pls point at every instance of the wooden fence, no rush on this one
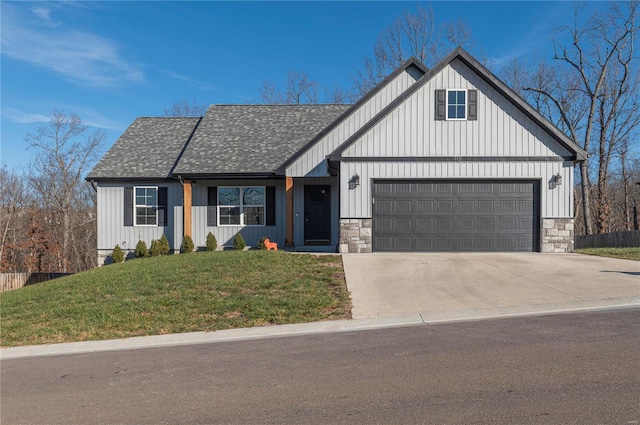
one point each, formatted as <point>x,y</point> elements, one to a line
<point>10,281</point>
<point>628,239</point>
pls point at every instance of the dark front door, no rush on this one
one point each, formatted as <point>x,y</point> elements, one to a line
<point>317,215</point>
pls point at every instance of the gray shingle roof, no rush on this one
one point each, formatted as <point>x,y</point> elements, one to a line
<point>252,138</point>
<point>149,148</point>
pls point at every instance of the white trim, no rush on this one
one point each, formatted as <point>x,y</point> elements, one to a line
<point>466,105</point>
<point>135,205</point>
<point>242,207</point>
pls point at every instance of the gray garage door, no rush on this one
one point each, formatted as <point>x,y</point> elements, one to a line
<point>455,216</point>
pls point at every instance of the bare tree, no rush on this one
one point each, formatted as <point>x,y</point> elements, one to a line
<point>13,200</point>
<point>65,149</point>
<point>299,89</point>
<point>185,109</point>
<point>591,92</point>
<point>412,34</point>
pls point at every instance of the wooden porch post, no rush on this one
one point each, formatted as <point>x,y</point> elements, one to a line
<point>289,212</point>
<point>187,203</point>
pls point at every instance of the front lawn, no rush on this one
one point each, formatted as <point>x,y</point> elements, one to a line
<point>202,291</point>
<point>626,253</point>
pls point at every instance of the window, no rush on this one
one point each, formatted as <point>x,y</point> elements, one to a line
<point>146,206</point>
<point>241,206</point>
<point>456,104</point>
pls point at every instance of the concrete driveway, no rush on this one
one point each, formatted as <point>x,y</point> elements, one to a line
<point>401,284</point>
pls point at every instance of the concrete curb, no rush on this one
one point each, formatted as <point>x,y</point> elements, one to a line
<point>245,334</point>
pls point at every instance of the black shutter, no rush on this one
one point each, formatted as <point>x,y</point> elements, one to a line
<point>128,206</point>
<point>162,206</point>
<point>472,108</point>
<point>212,206</point>
<point>441,105</point>
<point>271,206</point>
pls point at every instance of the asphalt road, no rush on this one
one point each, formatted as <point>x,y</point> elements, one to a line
<point>565,369</point>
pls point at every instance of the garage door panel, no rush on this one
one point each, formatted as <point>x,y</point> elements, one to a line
<point>454,216</point>
<point>424,243</point>
<point>403,243</point>
<point>425,224</point>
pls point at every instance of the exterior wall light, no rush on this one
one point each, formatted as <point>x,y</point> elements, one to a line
<point>557,179</point>
<point>354,182</point>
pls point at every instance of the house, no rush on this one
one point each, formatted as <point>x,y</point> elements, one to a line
<point>442,159</point>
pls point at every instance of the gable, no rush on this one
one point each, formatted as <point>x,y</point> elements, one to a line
<point>311,161</point>
<point>412,130</point>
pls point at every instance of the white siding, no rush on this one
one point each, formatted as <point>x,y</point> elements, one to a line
<point>556,202</point>
<point>311,163</point>
<point>225,234</point>
<point>411,129</point>
<point>111,228</point>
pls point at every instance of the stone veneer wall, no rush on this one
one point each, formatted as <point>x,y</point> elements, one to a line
<point>557,235</point>
<point>355,235</point>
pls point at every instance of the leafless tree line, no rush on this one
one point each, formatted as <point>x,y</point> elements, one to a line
<point>48,213</point>
<point>591,90</point>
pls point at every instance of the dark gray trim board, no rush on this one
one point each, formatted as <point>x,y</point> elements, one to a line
<point>411,62</point>
<point>455,159</point>
<point>133,180</point>
<point>212,176</point>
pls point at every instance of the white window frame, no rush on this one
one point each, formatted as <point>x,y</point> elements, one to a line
<point>466,105</point>
<point>136,206</point>
<point>242,207</point>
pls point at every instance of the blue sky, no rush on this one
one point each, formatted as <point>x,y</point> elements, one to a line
<point>110,62</point>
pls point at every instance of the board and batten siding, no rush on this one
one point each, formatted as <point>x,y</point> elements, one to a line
<point>111,228</point>
<point>411,129</point>
<point>555,202</point>
<point>312,162</point>
<point>225,234</point>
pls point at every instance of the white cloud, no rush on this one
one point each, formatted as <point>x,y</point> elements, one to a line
<point>42,12</point>
<point>89,118</point>
<point>79,56</point>
<point>23,117</point>
<point>200,84</point>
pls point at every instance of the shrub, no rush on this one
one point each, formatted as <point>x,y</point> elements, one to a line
<point>212,243</point>
<point>187,245</point>
<point>117,255</point>
<point>141,250</point>
<point>261,244</point>
<point>164,244</point>
<point>238,242</point>
<point>156,248</point>
<point>160,247</point>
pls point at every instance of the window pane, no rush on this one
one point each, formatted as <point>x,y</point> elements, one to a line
<point>229,215</point>
<point>452,112</point>
<point>451,97</point>
<point>254,216</point>
<point>145,216</point>
<point>460,112</point>
<point>152,198</point>
<point>229,196</point>
<point>253,196</point>
<point>461,96</point>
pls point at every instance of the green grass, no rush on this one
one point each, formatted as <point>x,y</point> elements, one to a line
<point>626,253</point>
<point>202,291</point>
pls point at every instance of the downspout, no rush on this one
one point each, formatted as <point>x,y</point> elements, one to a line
<point>93,185</point>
